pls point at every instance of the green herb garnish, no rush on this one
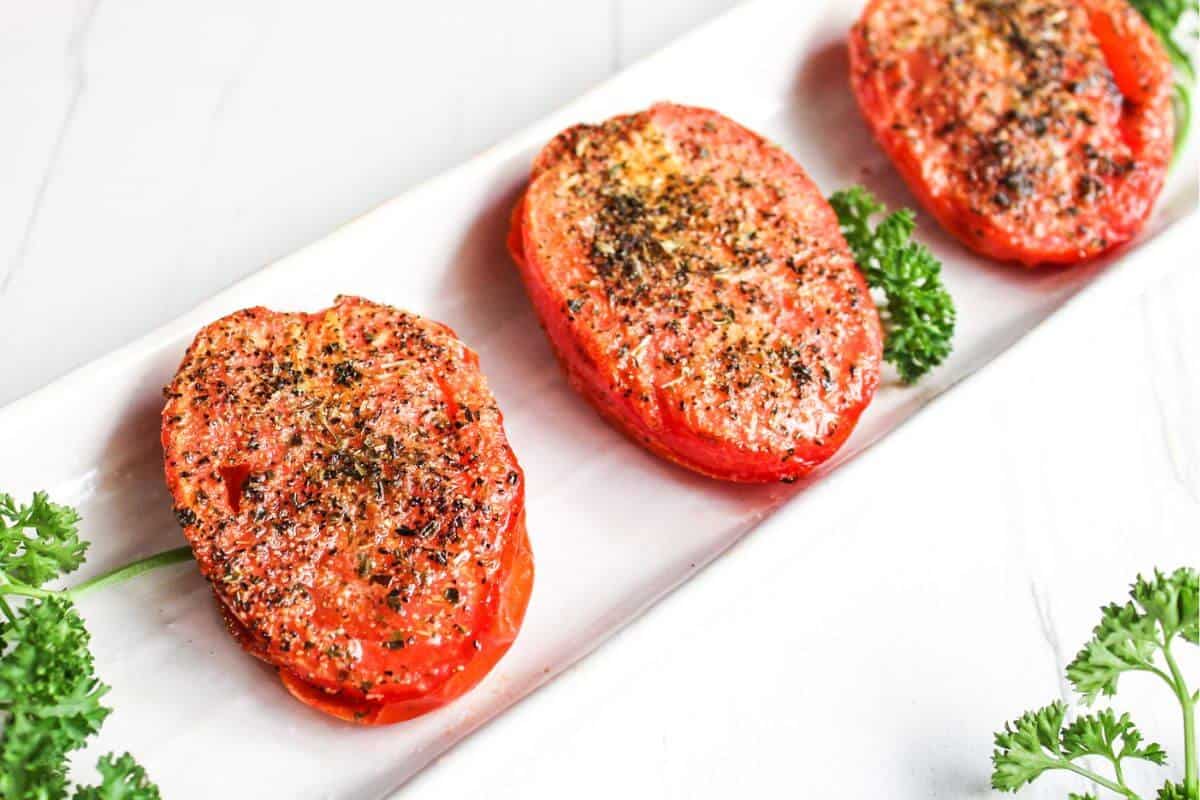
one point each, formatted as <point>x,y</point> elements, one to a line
<point>1163,17</point>
<point>917,312</point>
<point>1136,637</point>
<point>49,693</point>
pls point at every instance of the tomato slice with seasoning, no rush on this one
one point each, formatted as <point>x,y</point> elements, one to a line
<point>347,488</point>
<point>698,292</point>
<point>1037,131</point>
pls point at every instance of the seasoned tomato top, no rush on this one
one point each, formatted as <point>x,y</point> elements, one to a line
<point>702,278</point>
<point>1035,130</point>
<point>345,483</point>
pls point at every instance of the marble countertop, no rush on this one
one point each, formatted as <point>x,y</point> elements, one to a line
<point>155,152</point>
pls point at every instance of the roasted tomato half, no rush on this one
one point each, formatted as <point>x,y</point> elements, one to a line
<point>698,292</point>
<point>345,482</point>
<point>1036,131</point>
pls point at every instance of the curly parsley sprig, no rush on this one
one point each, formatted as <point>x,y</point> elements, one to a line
<point>1138,636</point>
<point>917,313</point>
<point>1164,17</point>
<point>50,696</point>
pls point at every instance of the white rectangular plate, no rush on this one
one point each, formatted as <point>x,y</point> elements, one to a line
<point>613,528</point>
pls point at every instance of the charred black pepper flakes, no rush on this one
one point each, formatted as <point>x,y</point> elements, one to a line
<point>1020,112</point>
<point>346,374</point>
<point>337,482</point>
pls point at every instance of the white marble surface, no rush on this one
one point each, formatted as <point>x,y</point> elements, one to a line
<point>154,152</point>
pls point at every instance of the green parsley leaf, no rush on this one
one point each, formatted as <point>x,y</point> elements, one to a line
<point>1163,610</point>
<point>1038,741</point>
<point>1124,641</point>
<point>48,687</point>
<point>49,693</point>
<point>1100,734</point>
<point>121,779</point>
<point>1027,747</point>
<point>917,313</point>
<point>39,541</point>
<point>1172,791</point>
<point>45,658</point>
<point>1130,636</point>
<point>1172,601</point>
<point>33,763</point>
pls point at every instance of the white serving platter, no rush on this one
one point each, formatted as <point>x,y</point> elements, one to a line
<point>613,528</point>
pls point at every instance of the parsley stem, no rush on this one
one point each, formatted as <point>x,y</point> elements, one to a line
<point>1153,670</point>
<point>1119,788</point>
<point>1191,780</point>
<point>7,609</point>
<point>1120,773</point>
<point>21,590</point>
<point>113,576</point>
<point>132,570</point>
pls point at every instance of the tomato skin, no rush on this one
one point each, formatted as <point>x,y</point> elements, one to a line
<point>347,488</point>
<point>1037,131</point>
<point>732,397</point>
<point>352,706</point>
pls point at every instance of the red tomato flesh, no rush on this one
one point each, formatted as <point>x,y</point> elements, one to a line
<point>698,292</point>
<point>345,483</point>
<point>1036,131</point>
